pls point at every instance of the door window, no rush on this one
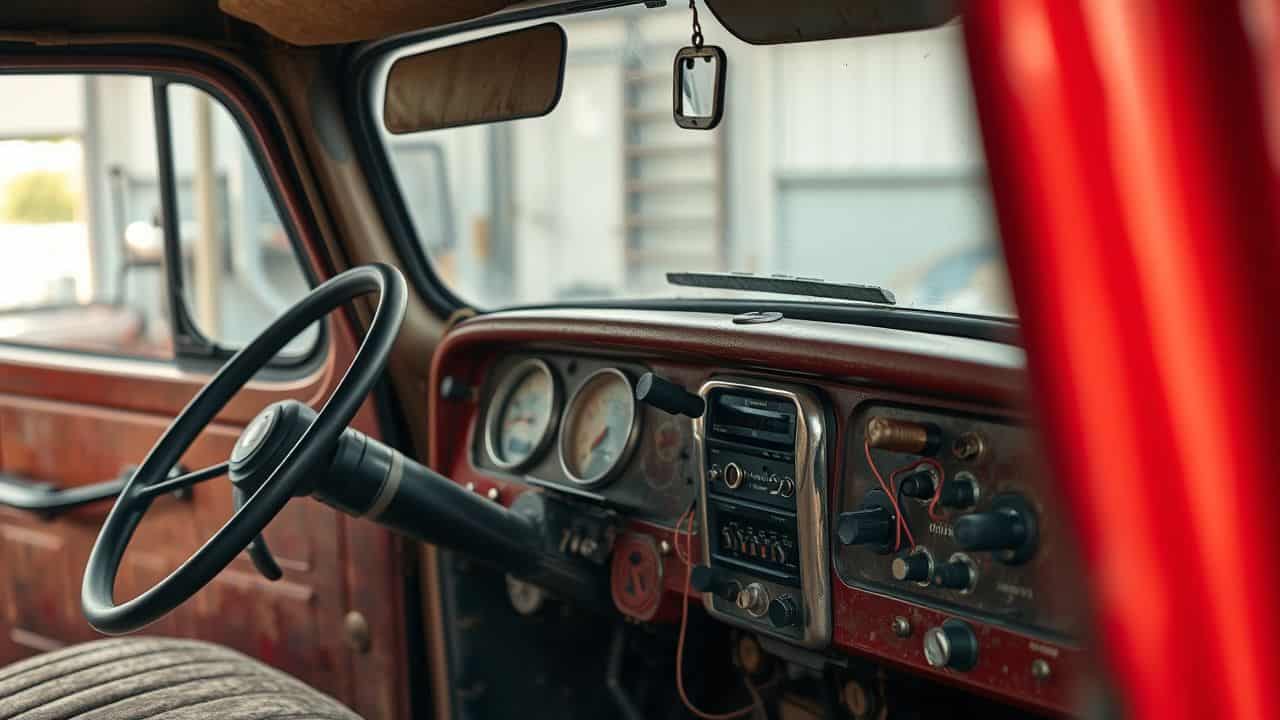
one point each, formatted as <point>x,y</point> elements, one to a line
<point>83,222</point>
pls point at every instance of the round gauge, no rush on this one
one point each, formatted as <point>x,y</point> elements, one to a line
<point>522,415</point>
<point>600,428</point>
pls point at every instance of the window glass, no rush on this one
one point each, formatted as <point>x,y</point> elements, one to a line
<point>851,160</point>
<point>241,269</point>
<point>80,220</point>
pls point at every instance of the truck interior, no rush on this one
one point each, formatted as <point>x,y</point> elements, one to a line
<point>717,359</point>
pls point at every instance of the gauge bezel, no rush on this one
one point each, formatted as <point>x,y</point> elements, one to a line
<point>498,401</point>
<point>633,432</point>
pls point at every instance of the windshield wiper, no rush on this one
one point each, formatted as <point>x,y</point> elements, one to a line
<point>783,285</point>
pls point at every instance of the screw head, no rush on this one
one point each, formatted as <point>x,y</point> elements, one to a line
<point>901,627</point>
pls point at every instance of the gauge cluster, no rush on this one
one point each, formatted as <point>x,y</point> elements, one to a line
<point>574,423</point>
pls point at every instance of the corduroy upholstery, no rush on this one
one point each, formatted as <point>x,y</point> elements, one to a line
<point>156,679</point>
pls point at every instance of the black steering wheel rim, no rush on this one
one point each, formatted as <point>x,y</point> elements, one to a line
<point>97,591</point>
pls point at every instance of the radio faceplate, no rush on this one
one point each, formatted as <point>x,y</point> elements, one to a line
<point>763,498</point>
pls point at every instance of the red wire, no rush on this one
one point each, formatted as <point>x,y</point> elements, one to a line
<point>937,490</point>
<point>687,556</point>
<point>893,500</point>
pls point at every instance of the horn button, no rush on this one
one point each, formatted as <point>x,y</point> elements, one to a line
<point>266,440</point>
<point>254,436</point>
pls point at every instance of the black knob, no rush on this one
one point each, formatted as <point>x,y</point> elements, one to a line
<point>961,493</point>
<point>784,612</point>
<point>914,567</point>
<point>919,484</point>
<point>955,575</point>
<point>1009,529</point>
<point>951,645</point>
<point>706,579</point>
<point>868,525</point>
<point>998,530</point>
<point>668,396</point>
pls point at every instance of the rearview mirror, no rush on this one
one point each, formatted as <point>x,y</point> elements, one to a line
<point>699,87</point>
<point>504,77</point>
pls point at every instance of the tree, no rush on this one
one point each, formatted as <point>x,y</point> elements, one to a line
<point>39,196</point>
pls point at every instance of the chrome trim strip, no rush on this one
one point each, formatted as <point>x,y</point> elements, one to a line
<point>812,531</point>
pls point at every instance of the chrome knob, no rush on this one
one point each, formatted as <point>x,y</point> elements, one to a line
<point>732,476</point>
<point>754,599</point>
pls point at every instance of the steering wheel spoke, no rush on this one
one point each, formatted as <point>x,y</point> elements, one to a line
<point>257,550</point>
<point>181,482</point>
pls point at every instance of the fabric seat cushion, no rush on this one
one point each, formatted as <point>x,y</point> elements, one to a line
<point>156,679</point>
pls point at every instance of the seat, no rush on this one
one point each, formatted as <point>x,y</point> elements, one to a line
<point>157,679</point>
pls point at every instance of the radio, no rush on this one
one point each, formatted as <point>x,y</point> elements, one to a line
<point>763,500</point>
<point>750,447</point>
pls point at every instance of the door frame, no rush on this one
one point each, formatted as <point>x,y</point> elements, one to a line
<point>147,391</point>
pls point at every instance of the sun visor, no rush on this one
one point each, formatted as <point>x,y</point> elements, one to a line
<point>769,22</point>
<point>316,22</point>
<point>510,76</point>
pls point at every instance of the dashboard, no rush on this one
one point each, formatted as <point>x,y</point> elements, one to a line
<point>846,491</point>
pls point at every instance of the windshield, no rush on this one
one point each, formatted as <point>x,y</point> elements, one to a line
<point>853,161</point>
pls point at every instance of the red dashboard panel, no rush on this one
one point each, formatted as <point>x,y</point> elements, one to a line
<point>849,367</point>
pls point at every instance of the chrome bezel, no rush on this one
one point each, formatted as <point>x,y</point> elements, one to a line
<point>633,431</point>
<point>498,401</point>
<point>811,512</point>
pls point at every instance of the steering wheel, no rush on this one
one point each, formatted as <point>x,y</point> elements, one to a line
<point>278,481</point>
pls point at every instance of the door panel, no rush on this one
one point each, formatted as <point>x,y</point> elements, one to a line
<point>294,624</point>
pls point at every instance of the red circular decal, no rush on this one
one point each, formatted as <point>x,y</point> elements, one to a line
<point>636,576</point>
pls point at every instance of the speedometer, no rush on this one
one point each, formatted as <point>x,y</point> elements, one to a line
<point>600,427</point>
<point>522,415</point>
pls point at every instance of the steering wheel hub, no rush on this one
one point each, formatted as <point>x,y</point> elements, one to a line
<point>254,436</point>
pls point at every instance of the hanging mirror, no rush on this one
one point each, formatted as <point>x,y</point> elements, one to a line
<point>699,74</point>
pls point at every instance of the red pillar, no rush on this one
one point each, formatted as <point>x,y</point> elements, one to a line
<point>1133,147</point>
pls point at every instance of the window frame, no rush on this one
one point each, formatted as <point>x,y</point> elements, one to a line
<point>193,350</point>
